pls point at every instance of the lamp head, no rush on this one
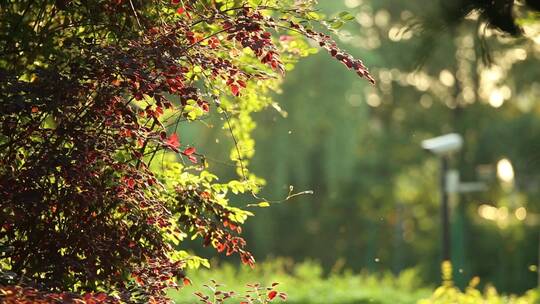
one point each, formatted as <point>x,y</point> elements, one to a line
<point>443,145</point>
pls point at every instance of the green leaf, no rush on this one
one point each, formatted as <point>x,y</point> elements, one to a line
<point>263,204</point>
<point>336,25</point>
<point>346,16</point>
<point>314,16</point>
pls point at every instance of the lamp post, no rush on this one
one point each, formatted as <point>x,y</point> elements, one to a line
<point>443,147</point>
<point>445,211</point>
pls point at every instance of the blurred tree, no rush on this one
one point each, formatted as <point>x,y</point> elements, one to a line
<point>97,190</point>
<point>375,201</point>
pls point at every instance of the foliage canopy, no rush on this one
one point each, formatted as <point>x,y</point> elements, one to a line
<point>98,189</point>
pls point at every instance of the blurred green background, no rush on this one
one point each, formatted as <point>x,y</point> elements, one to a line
<point>375,206</point>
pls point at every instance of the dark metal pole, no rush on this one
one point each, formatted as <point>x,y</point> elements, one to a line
<point>445,213</point>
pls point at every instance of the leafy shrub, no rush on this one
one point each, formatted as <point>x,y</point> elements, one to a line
<point>92,94</point>
<point>20,295</point>
<point>255,294</point>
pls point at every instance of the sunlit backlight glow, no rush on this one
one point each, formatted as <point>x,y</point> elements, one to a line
<point>505,171</point>
<point>521,213</point>
<point>496,99</point>
<point>382,18</point>
<point>373,100</point>
<point>446,78</point>
<point>488,212</point>
<point>352,3</point>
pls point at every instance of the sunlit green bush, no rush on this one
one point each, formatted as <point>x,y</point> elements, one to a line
<point>448,294</point>
<point>305,283</point>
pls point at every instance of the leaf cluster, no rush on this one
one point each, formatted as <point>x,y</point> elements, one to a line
<point>92,94</point>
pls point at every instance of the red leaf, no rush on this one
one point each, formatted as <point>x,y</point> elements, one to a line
<point>180,11</point>
<point>193,159</point>
<point>247,259</point>
<point>207,195</point>
<point>234,89</point>
<point>220,247</point>
<point>130,183</point>
<point>126,133</point>
<point>173,142</point>
<point>159,111</point>
<point>213,42</point>
<point>175,1</point>
<point>205,107</point>
<point>189,151</point>
<point>116,82</point>
<point>186,282</point>
<point>272,294</point>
